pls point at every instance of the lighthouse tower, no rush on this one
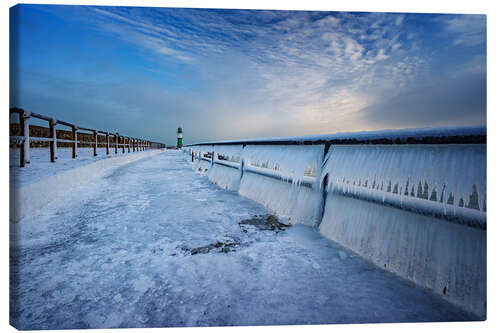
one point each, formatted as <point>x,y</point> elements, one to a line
<point>179,137</point>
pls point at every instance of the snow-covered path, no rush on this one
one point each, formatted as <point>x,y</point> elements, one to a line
<point>138,249</point>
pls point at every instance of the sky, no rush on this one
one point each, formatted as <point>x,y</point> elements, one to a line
<point>236,74</point>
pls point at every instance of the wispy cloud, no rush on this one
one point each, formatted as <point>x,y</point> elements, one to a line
<point>469,30</point>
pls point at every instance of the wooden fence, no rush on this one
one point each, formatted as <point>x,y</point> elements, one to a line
<point>21,136</point>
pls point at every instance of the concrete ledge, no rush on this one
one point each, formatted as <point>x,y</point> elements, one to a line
<point>26,200</point>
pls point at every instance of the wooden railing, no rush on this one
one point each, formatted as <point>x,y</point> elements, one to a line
<point>112,140</point>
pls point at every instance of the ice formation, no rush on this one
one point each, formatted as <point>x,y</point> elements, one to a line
<point>270,169</point>
<point>418,210</point>
<point>298,204</point>
<point>448,258</point>
<point>382,203</point>
<point>263,173</point>
<point>292,162</point>
<point>231,153</point>
<point>226,170</point>
<point>226,177</point>
<point>442,180</point>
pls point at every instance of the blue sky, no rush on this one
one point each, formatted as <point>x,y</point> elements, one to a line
<point>228,74</point>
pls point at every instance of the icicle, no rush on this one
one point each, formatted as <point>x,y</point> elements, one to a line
<point>290,161</point>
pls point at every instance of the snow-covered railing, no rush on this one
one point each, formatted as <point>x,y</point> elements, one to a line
<point>24,139</point>
<point>439,172</point>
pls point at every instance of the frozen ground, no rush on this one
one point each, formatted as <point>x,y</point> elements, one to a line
<point>40,165</point>
<point>137,249</point>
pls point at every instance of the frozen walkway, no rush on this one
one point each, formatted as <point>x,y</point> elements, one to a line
<point>155,244</point>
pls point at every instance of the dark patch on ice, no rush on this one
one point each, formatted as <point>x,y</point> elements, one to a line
<point>265,222</point>
<point>222,247</point>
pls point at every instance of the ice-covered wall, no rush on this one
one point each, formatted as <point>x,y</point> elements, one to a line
<point>448,258</point>
<point>271,175</point>
<point>226,171</point>
<point>417,210</point>
<point>226,177</point>
<point>443,180</point>
<point>291,162</point>
<point>299,204</point>
<point>282,193</point>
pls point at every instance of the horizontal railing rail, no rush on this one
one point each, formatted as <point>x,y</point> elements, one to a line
<point>466,136</point>
<point>24,140</point>
<point>227,163</point>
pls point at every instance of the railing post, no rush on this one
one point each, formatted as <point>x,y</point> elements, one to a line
<point>322,184</point>
<point>21,133</point>
<point>242,163</point>
<point>116,142</point>
<point>107,143</point>
<point>192,157</point>
<point>53,144</point>
<point>128,144</point>
<point>24,149</point>
<point>95,142</point>
<point>74,137</point>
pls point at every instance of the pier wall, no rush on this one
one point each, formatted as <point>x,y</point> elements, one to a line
<point>416,210</point>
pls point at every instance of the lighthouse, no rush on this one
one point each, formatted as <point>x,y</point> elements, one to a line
<point>179,137</point>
